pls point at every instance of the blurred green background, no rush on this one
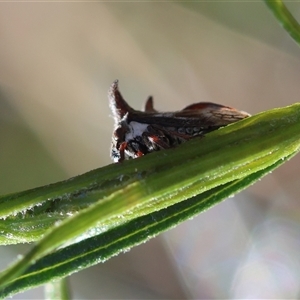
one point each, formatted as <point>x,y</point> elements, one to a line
<point>57,62</point>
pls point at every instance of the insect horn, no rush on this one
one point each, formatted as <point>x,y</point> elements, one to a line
<point>149,105</point>
<point>118,105</point>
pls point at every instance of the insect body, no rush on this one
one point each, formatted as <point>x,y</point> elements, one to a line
<point>138,133</point>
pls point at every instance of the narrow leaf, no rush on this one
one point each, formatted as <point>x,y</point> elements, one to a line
<point>123,193</point>
<point>97,249</point>
<point>285,18</point>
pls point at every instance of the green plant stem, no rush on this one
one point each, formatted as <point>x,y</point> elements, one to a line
<point>285,18</point>
<point>58,289</point>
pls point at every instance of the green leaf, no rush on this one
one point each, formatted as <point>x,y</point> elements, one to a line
<point>285,18</point>
<point>97,249</point>
<point>131,202</point>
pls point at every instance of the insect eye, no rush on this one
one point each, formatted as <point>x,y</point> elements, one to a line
<point>119,133</point>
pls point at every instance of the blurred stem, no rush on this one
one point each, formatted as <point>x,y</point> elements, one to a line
<point>285,18</point>
<point>57,290</point>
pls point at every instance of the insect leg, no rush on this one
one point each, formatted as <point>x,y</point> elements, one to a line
<point>122,148</point>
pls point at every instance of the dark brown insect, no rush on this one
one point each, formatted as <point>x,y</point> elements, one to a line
<point>138,133</point>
